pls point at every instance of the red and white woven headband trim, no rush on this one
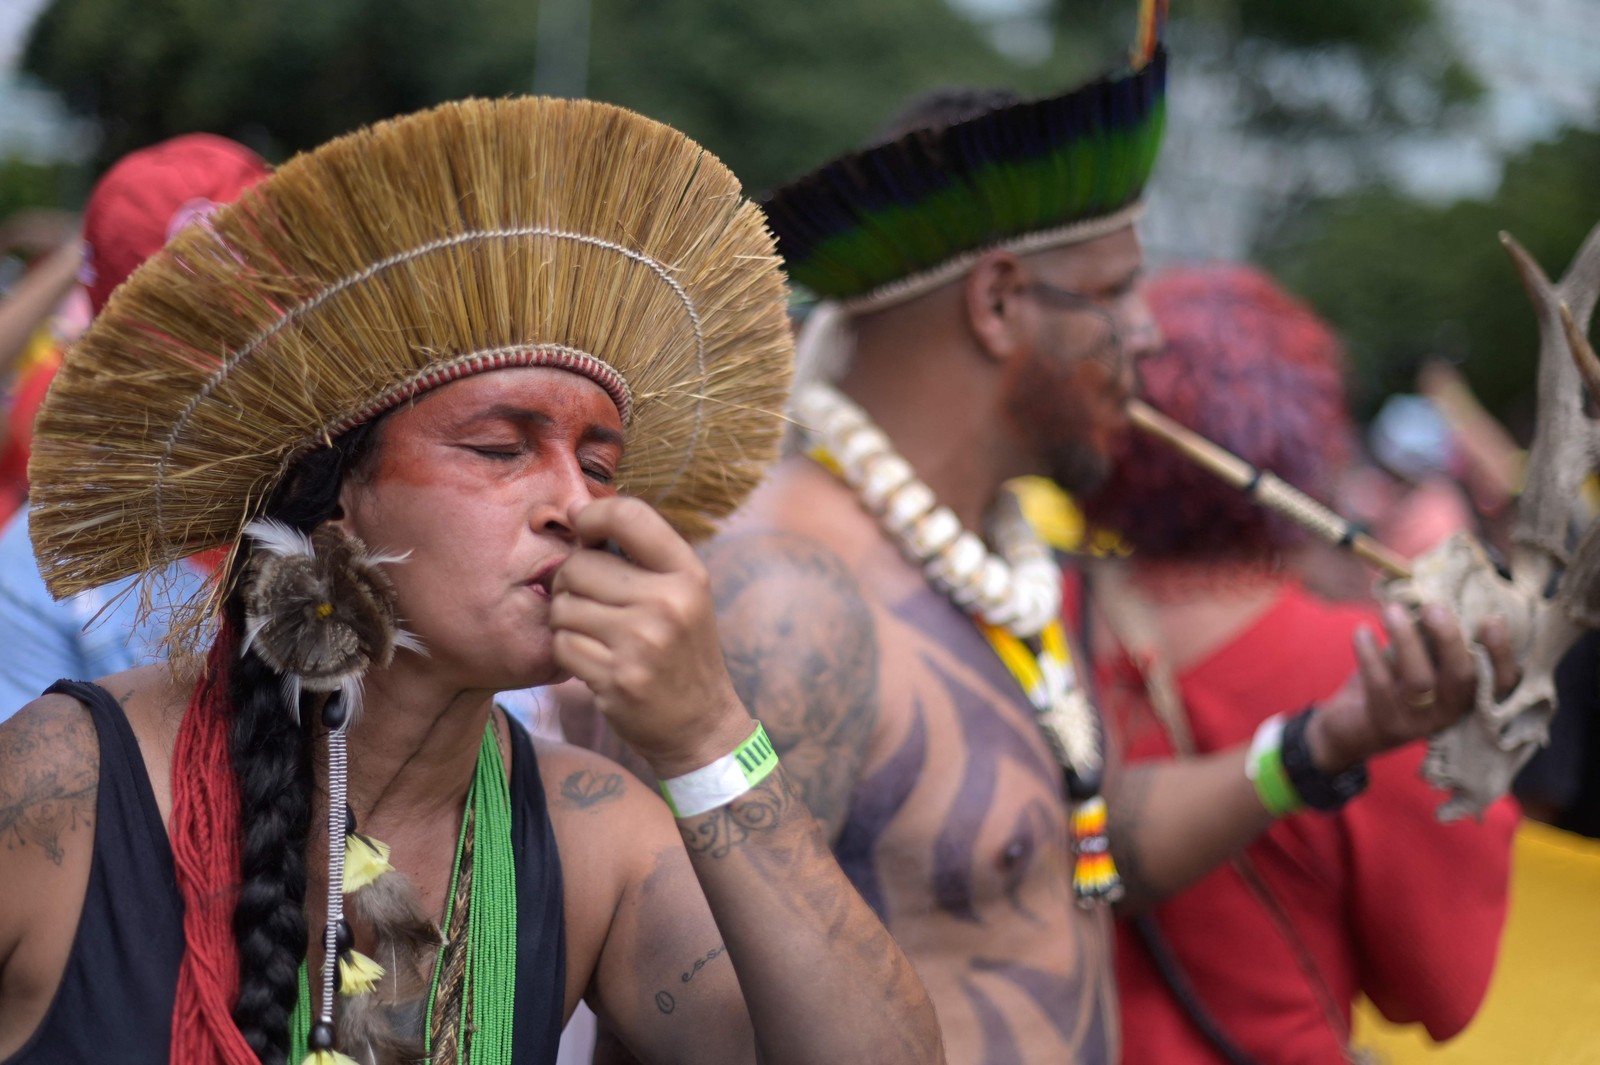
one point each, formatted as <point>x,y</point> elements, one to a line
<point>557,356</point>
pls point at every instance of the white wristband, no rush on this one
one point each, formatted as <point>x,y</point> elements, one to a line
<point>723,780</point>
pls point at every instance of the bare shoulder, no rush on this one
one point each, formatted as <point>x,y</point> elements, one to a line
<point>50,770</point>
<point>800,640</point>
<point>153,699</point>
<point>49,786</point>
<point>609,829</point>
<point>49,779</point>
<point>605,819</point>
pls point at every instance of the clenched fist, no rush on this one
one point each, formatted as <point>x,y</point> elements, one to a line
<point>641,632</point>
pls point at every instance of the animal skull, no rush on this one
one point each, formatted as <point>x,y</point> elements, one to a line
<point>1477,757</point>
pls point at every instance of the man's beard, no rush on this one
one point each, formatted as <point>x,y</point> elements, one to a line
<point>1048,403</point>
<point>1077,466</point>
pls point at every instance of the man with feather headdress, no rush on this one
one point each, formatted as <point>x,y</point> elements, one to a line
<point>980,320</point>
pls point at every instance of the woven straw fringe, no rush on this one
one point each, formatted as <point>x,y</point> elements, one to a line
<point>241,345</point>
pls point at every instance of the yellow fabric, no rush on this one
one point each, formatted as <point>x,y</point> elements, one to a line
<point>42,348</point>
<point>1543,1004</point>
<point>1059,522</point>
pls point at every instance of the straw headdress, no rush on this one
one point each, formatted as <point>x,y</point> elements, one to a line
<point>475,236</point>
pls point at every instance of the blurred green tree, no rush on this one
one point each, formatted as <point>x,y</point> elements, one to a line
<point>279,75</point>
<point>1355,67</point>
<point>1404,281</point>
<point>771,86</point>
<point>777,87</point>
<point>25,184</point>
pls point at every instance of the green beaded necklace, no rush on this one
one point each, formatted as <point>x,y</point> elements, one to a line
<point>491,923</point>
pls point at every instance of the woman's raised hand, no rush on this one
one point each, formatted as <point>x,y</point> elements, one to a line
<point>640,631</point>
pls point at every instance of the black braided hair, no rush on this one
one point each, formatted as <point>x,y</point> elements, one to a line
<point>271,756</point>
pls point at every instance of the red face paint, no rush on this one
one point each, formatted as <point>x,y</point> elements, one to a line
<point>476,480</point>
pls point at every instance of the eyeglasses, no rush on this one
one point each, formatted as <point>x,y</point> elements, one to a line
<point>1063,299</point>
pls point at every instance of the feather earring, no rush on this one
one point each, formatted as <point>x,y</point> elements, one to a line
<point>319,610</point>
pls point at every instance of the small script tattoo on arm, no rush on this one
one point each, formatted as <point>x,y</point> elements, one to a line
<point>664,1000</point>
<point>49,778</point>
<point>700,963</point>
<point>586,790</point>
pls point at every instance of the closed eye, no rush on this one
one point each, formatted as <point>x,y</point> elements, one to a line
<point>598,474</point>
<point>495,452</point>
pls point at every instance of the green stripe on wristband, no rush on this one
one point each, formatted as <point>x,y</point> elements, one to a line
<point>1266,771</point>
<point>723,780</point>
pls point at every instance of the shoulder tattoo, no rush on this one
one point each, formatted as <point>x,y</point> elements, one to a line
<point>49,776</point>
<point>585,790</point>
<point>802,649</point>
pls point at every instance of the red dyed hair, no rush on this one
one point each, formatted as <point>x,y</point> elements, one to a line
<point>1253,369</point>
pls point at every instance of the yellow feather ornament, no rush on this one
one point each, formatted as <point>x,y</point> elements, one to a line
<point>329,1057</point>
<point>358,974</point>
<point>364,861</point>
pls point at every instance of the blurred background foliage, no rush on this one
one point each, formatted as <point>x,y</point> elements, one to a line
<point>772,88</point>
<point>1406,280</point>
<point>775,87</point>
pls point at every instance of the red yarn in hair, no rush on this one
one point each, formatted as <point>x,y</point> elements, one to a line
<point>205,851</point>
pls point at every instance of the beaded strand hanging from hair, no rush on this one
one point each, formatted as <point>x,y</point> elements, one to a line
<point>319,611</point>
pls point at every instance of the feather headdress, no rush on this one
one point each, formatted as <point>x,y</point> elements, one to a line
<point>475,236</point>
<point>885,224</point>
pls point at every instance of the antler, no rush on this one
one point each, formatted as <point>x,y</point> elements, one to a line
<point>1565,442</point>
<point>1477,757</point>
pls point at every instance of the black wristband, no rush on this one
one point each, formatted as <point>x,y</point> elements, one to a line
<point>1320,791</point>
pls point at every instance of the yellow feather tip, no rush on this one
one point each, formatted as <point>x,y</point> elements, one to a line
<point>358,973</point>
<point>364,861</point>
<point>329,1057</point>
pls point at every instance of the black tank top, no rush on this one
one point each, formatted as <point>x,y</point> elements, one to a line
<point>122,974</point>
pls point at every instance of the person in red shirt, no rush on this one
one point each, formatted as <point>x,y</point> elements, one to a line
<point>1200,636</point>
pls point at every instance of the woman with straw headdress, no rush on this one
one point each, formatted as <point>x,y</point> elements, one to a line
<point>419,380</point>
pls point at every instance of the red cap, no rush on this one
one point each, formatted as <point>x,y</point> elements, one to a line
<point>149,195</point>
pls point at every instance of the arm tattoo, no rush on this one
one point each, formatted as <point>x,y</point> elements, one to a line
<point>700,963</point>
<point>1125,810</point>
<point>664,1000</point>
<point>718,832</point>
<point>49,777</point>
<point>802,649</point>
<point>585,790</point>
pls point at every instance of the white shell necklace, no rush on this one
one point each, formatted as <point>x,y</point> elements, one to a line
<point>1017,587</point>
